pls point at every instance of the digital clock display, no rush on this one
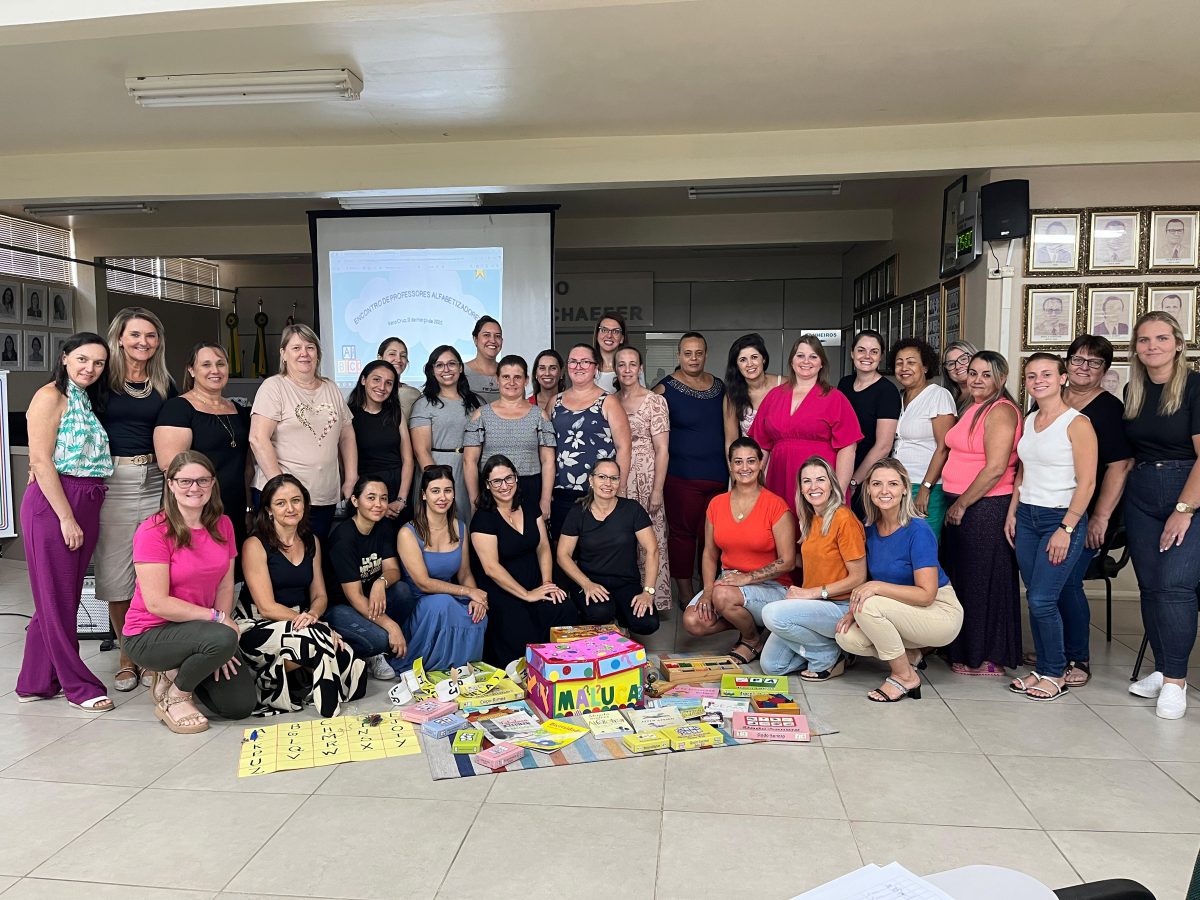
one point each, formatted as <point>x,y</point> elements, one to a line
<point>966,241</point>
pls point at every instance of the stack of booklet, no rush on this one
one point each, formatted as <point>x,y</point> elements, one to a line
<point>890,882</point>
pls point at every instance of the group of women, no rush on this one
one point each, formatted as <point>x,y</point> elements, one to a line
<point>824,523</point>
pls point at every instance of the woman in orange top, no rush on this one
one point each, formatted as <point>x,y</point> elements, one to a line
<point>750,534</point>
<point>833,551</point>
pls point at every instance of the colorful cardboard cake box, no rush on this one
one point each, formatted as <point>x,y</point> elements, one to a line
<point>588,675</point>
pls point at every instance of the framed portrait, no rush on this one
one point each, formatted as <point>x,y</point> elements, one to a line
<point>858,293</point>
<point>1055,243</point>
<point>1115,380</point>
<point>1179,301</point>
<point>919,313</point>
<point>33,304</point>
<point>1173,239</point>
<point>1116,242</point>
<point>893,284</point>
<point>906,321</point>
<point>1111,311</point>
<point>57,341</point>
<point>873,285</point>
<point>1050,312</point>
<point>11,350</point>
<point>61,306</point>
<point>893,334</point>
<point>10,302</point>
<point>37,351</point>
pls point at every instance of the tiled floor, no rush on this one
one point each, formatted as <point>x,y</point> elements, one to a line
<point>1094,786</point>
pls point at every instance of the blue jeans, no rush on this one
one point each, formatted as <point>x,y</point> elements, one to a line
<point>1076,614</point>
<point>364,637</point>
<point>802,635</point>
<point>1168,579</point>
<point>1044,582</point>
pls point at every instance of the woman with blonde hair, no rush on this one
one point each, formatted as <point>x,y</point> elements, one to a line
<point>909,602</point>
<point>1162,422</point>
<point>833,554</point>
<point>138,389</point>
<point>300,424</point>
<point>955,360</point>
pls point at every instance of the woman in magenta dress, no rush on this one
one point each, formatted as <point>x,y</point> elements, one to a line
<point>805,417</point>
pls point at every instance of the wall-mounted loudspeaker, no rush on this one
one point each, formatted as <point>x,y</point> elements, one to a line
<point>1005,209</point>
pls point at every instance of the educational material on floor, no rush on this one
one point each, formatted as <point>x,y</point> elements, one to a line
<point>588,675</point>
<point>443,726</point>
<point>749,685</point>
<point>468,740</point>
<point>325,742</point>
<point>508,725</point>
<point>872,882</point>
<point>775,703</point>
<point>428,709</point>
<point>653,719</point>
<point>769,727</point>
<point>691,737</point>
<point>604,725</point>
<point>697,691</point>
<point>554,735</point>
<point>725,706</point>
<point>498,756</point>
<point>680,703</point>
<point>697,669</point>
<point>560,634</point>
<point>499,691</point>
<point>646,742</point>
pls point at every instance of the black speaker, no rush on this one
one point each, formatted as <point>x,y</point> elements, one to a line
<point>1005,209</point>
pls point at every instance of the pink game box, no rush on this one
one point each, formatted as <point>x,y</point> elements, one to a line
<point>427,710</point>
<point>499,755</point>
<point>769,727</point>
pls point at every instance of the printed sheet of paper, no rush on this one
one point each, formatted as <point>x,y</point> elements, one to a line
<point>325,742</point>
<point>872,882</point>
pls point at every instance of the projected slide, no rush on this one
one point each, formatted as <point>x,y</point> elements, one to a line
<point>428,297</point>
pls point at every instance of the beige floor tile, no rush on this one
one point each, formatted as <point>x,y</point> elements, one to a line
<point>231,895</point>
<point>110,752</point>
<point>617,784</point>
<point>758,779</point>
<point>423,836</point>
<point>22,735</point>
<point>1162,862</point>
<point>32,825</point>
<point>1121,652</point>
<point>1041,729</point>
<point>1109,687</point>
<point>926,849</point>
<point>12,624</point>
<point>47,889</point>
<point>1100,794</point>
<point>1173,740</point>
<point>925,788</point>
<point>793,855</point>
<point>404,777</point>
<point>12,650</point>
<point>6,882</point>
<point>1185,774</point>
<point>594,853</point>
<point>223,833</point>
<point>8,680</point>
<point>975,687</point>
<point>908,725</point>
<point>213,767</point>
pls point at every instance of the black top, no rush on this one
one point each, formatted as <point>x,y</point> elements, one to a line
<point>879,401</point>
<point>517,549</point>
<point>1107,415</point>
<point>353,556</point>
<point>607,551</point>
<point>212,435</point>
<point>1155,437</point>
<point>378,449</point>
<point>290,581</point>
<point>130,421</point>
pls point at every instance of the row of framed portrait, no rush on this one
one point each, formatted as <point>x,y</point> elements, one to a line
<point>1056,313</point>
<point>876,284</point>
<point>36,303</point>
<point>1112,241</point>
<point>934,313</point>
<point>1115,380</point>
<point>29,350</point>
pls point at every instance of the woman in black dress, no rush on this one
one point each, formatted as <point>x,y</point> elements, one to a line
<point>384,450</point>
<point>876,403</point>
<point>513,563</point>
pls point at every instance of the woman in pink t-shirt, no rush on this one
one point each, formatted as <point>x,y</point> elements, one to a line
<point>180,624</point>
<point>978,484</point>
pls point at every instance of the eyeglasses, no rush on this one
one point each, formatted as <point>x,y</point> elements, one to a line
<point>960,362</point>
<point>202,483</point>
<point>1089,362</point>
<point>580,363</point>
<point>445,366</point>
<point>611,479</point>
<point>506,481</point>
<point>606,330</point>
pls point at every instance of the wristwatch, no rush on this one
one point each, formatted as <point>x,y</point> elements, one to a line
<point>928,485</point>
<point>824,592</point>
<point>1184,508</point>
<point>646,589</point>
<point>1069,529</point>
<point>218,616</point>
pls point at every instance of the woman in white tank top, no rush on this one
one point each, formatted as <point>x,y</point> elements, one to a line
<point>1047,519</point>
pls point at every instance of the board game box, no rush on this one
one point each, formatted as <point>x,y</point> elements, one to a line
<point>749,685</point>
<point>591,674</point>
<point>769,727</point>
<point>692,737</point>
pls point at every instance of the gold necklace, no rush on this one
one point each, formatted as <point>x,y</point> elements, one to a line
<point>139,393</point>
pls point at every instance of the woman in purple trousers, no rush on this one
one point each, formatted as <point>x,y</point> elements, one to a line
<point>60,521</point>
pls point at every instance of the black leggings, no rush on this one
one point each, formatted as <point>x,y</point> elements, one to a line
<point>619,606</point>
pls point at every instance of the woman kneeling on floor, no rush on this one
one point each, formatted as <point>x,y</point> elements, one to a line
<point>180,624</point>
<point>750,539</point>
<point>296,657</point>
<point>833,551</point>
<point>909,602</point>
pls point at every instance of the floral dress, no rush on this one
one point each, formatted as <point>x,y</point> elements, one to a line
<point>650,419</point>
<point>584,438</point>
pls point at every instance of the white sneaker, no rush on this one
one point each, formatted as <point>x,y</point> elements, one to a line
<point>380,668</point>
<point>1172,702</point>
<point>1150,686</point>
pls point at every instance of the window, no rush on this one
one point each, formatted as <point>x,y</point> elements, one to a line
<point>161,277</point>
<point>37,239</point>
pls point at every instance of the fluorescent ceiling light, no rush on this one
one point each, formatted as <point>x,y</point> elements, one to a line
<point>292,86</point>
<point>75,209</point>
<point>408,201</point>
<point>801,189</point>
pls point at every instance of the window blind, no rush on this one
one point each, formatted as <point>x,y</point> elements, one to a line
<point>35,239</point>
<point>179,279</point>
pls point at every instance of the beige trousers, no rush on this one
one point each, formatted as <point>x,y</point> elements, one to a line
<point>885,627</point>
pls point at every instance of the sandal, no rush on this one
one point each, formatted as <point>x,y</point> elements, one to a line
<point>34,698</point>
<point>127,679</point>
<point>914,692</point>
<point>1084,677</point>
<point>96,704</point>
<point>988,668</point>
<point>1059,691</point>
<point>839,668</point>
<point>746,658</point>
<point>191,723</point>
<point>1018,685</point>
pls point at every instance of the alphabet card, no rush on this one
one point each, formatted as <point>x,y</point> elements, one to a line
<point>325,742</point>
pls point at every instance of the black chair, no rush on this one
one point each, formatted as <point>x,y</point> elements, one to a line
<point>1112,889</point>
<point>1105,566</point>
